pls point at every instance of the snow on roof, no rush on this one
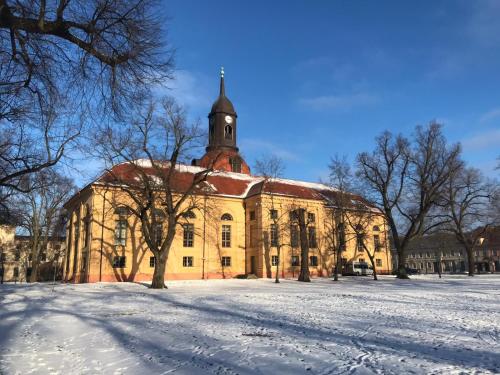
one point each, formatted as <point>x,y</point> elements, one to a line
<point>230,184</point>
<point>236,176</point>
<point>311,185</point>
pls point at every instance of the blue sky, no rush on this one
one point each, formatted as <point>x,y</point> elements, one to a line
<point>313,78</point>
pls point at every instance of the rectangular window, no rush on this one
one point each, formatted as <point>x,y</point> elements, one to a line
<point>226,236</point>
<point>341,234</point>
<point>152,262</point>
<point>295,261</point>
<point>252,215</point>
<point>378,262</point>
<point>235,163</point>
<point>274,235</point>
<point>294,235</point>
<point>274,260</point>
<point>361,260</point>
<point>188,238</point>
<point>158,233</point>
<point>376,242</point>
<point>119,261</point>
<point>86,232</point>
<point>187,261</point>
<point>311,217</point>
<point>121,232</point>
<point>273,214</point>
<point>313,261</point>
<point>359,243</point>
<point>312,237</point>
<point>226,261</point>
<point>43,256</point>
<point>16,272</point>
<point>17,256</point>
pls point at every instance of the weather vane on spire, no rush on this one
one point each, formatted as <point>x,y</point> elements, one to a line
<point>222,72</point>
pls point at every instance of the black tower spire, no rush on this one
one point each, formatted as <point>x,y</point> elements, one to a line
<point>222,122</point>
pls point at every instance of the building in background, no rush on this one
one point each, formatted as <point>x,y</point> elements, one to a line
<point>427,253</point>
<point>16,260</point>
<point>487,253</point>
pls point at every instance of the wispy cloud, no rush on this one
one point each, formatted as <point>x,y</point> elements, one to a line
<point>191,90</point>
<point>485,140</point>
<point>338,102</point>
<point>490,115</point>
<point>259,147</point>
<point>483,26</point>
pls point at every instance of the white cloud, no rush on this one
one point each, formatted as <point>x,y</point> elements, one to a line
<point>490,115</point>
<point>191,90</point>
<point>338,102</point>
<point>259,146</point>
<point>485,140</point>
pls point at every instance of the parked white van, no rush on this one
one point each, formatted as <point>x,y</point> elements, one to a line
<point>358,269</point>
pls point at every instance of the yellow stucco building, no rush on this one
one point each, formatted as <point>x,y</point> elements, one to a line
<point>234,231</point>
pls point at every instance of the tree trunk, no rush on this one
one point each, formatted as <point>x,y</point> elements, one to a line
<point>470,260</point>
<point>158,281</point>
<point>372,262</point>
<point>34,263</point>
<point>304,248</point>
<point>401,272</point>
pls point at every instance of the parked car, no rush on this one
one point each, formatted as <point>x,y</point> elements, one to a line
<point>358,269</point>
<point>412,271</point>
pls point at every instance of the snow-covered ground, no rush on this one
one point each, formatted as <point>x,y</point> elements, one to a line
<point>357,326</point>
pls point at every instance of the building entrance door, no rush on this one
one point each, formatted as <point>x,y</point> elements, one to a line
<point>252,265</point>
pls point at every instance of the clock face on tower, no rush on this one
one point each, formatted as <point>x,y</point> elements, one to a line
<point>228,119</point>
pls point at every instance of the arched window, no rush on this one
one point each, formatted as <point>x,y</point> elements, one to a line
<point>121,211</point>
<point>226,217</point>
<point>189,215</point>
<point>376,228</point>
<point>228,132</point>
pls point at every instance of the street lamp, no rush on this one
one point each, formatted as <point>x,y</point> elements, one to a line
<point>2,265</point>
<point>480,241</point>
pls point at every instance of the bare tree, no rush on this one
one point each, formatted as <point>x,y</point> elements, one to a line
<point>271,168</point>
<point>467,204</point>
<point>160,188</point>
<point>41,212</point>
<point>351,214</point>
<point>404,179</point>
<point>341,180</point>
<point>65,62</point>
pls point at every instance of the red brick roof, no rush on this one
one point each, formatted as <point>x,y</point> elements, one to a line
<point>225,183</point>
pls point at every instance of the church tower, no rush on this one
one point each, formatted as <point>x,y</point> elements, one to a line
<point>222,122</point>
<point>222,150</point>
